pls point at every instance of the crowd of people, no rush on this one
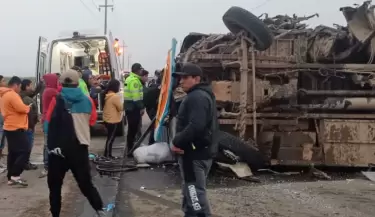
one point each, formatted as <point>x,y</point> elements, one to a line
<point>69,105</point>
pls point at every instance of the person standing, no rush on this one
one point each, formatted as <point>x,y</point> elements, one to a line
<point>134,107</point>
<point>82,84</point>
<point>27,93</point>
<point>194,142</point>
<point>151,101</point>
<point>112,114</point>
<point>68,119</point>
<point>15,127</point>
<point>50,91</point>
<point>144,77</point>
<point>2,137</point>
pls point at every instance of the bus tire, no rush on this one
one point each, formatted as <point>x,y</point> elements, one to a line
<point>246,151</point>
<point>237,19</point>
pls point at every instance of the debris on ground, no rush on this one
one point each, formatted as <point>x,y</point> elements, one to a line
<point>369,175</point>
<point>319,174</point>
<point>279,173</point>
<point>110,207</point>
<point>241,170</point>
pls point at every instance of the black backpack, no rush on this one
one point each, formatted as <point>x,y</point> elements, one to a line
<point>61,132</point>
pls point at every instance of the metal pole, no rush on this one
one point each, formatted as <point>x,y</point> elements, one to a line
<point>254,93</point>
<point>105,16</point>
<point>244,79</point>
<point>129,56</point>
<point>123,54</point>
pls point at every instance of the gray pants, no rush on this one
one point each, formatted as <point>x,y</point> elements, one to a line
<point>194,174</point>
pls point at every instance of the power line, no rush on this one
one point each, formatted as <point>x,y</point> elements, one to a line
<point>261,5</point>
<point>87,8</point>
<point>93,2</point>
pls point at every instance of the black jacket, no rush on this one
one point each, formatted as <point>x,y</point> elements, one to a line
<point>150,100</point>
<point>61,131</point>
<point>197,124</point>
<point>27,98</point>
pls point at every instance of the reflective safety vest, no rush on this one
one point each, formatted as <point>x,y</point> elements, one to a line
<point>82,85</point>
<point>133,92</point>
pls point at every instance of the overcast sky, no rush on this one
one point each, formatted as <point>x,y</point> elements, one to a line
<point>147,26</point>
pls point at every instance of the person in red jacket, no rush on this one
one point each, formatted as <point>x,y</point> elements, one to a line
<point>51,82</point>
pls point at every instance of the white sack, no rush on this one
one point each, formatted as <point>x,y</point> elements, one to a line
<point>154,154</point>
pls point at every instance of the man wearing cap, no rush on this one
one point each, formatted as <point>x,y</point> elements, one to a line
<point>194,142</point>
<point>68,120</point>
<point>134,107</point>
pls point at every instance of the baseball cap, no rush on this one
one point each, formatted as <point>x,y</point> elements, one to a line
<point>69,77</point>
<point>136,67</point>
<point>189,69</point>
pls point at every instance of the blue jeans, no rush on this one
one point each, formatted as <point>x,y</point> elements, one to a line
<point>30,137</point>
<point>45,152</point>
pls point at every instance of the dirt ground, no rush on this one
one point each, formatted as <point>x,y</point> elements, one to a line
<point>156,192</point>
<point>354,197</point>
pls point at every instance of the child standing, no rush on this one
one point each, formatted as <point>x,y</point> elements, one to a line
<point>112,113</point>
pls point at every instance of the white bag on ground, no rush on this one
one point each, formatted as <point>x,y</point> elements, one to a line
<point>154,154</point>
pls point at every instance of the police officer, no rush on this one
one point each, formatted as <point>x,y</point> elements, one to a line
<point>134,107</point>
<point>195,140</point>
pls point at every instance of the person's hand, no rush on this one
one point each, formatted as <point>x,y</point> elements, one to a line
<point>166,119</point>
<point>142,112</point>
<point>177,150</point>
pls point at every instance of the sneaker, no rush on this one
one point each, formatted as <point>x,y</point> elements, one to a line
<point>100,213</point>
<point>30,166</point>
<point>18,182</point>
<point>44,173</point>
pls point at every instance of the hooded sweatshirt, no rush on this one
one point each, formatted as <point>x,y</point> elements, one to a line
<point>13,110</point>
<point>113,108</point>
<point>197,124</point>
<point>82,110</point>
<point>50,91</point>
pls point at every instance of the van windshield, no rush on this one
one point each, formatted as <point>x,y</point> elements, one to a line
<point>84,53</point>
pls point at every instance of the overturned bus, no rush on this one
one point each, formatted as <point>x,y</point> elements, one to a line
<point>298,95</point>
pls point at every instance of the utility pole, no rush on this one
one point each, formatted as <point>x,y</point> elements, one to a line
<point>123,53</point>
<point>129,57</point>
<point>105,6</point>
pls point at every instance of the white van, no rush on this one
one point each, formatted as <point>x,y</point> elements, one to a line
<point>97,52</point>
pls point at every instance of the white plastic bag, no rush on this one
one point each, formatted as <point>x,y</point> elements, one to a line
<point>154,154</point>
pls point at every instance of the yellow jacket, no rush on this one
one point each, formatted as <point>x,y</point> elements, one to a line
<point>113,108</point>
